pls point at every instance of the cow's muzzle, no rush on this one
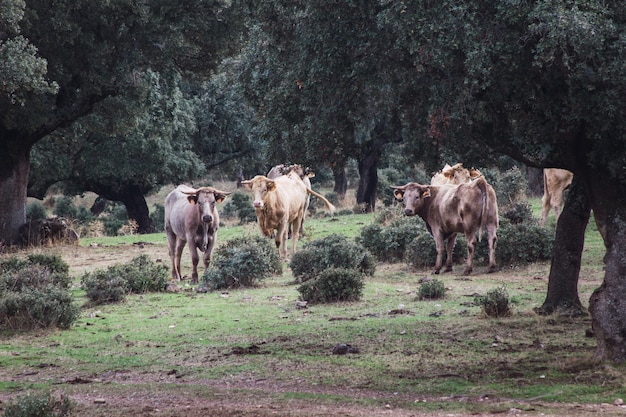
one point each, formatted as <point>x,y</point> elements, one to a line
<point>257,204</point>
<point>207,218</point>
<point>408,212</point>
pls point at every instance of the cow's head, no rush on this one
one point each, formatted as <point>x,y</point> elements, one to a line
<point>260,187</point>
<point>413,196</point>
<point>205,199</point>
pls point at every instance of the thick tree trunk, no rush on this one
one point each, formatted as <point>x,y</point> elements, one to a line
<point>535,181</point>
<point>341,182</point>
<point>137,209</point>
<point>608,303</point>
<point>566,255</point>
<point>368,181</point>
<point>14,170</point>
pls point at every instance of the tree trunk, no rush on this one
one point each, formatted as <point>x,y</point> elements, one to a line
<point>137,209</point>
<point>368,180</point>
<point>14,170</point>
<point>566,255</point>
<point>535,181</point>
<point>341,182</point>
<point>608,303</point>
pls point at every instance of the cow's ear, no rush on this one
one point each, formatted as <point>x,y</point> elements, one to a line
<point>247,184</point>
<point>399,194</point>
<point>426,193</point>
<point>219,197</point>
<point>193,199</point>
<point>271,186</point>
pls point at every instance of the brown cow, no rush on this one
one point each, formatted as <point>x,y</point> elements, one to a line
<point>279,203</point>
<point>555,181</point>
<point>451,209</point>
<point>304,173</point>
<point>191,218</point>
<point>455,174</point>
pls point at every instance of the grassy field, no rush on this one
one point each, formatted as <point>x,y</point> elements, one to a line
<point>251,352</point>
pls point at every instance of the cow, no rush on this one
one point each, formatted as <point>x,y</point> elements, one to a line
<point>450,209</point>
<point>304,173</point>
<point>455,174</point>
<point>280,203</point>
<point>555,181</point>
<point>191,218</point>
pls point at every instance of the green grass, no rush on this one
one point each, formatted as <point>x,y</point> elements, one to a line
<point>437,349</point>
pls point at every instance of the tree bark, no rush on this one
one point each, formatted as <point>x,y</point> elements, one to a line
<point>14,170</point>
<point>368,179</point>
<point>341,182</point>
<point>608,303</point>
<point>566,255</point>
<point>137,209</point>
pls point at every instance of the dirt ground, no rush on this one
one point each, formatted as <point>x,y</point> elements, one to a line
<point>127,393</point>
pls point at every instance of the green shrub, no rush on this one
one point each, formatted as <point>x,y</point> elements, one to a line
<point>389,243</point>
<point>142,275</point>
<point>240,205</point>
<point>111,285</point>
<point>333,251</point>
<point>37,307</point>
<point>17,273</point>
<point>116,218</point>
<point>242,262</point>
<point>104,286</point>
<point>510,186</point>
<point>518,213</point>
<point>495,304</point>
<point>43,405</point>
<point>523,243</point>
<point>158,218</point>
<point>332,285</point>
<point>422,251</point>
<point>35,211</point>
<point>431,290</point>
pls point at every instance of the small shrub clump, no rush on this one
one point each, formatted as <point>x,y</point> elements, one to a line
<point>333,251</point>
<point>43,405</point>
<point>526,242</point>
<point>496,303</point>
<point>389,243</point>
<point>431,290</point>
<point>141,275</point>
<point>333,285</point>
<point>240,205</point>
<point>241,262</point>
<point>34,293</point>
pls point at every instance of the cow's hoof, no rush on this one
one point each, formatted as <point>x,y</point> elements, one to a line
<point>436,272</point>
<point>448,269</point>
<point>492,269</point>
<point>467,272</point>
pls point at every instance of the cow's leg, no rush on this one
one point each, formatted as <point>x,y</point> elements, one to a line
<point>209,250</point>
<point>178,252</point>
<point>281,240</point>
<point>439,245</point>
<point>546,206</point>
<point>295,233</point>
<point>449,250</point>
<point>492,240</point>
<point>194,260</point>
<point>171,248</point>
<point>471,248</point>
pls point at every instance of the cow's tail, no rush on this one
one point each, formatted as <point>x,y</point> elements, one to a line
<point>484,199</point>
<point>321,197</point>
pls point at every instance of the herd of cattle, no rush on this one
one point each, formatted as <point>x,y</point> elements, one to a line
<point>457,200</point>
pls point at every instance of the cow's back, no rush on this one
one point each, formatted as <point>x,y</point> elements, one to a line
<point>176,210</point>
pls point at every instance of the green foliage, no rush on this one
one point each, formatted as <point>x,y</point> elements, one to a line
<point>113,284</point>
<point>510,186</point>
<point>158,217</point>
<point>39,405</point>
<point>389,243</point>
<point>333,251</point>
<point>35,211</point>
<point>240,205</point>
<point>431,290</point>
<point>519,212</point>
<point>332,285</point>
<point>527,242</point>
<point>34,295</point>
<point>496,303</point>
<point>242,262</point>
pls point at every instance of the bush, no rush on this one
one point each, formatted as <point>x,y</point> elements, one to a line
<point>431,290</point>
<point>495,304</point>
<point>36,270</point>
<point>518,213</point>
<point>111,285</point>
<point>332,285</point>
<point>510,186</point>
<point>35,211</point>
<point>37,307</point>
<point>240,205</point>
<point>242,262</point>
<point>389,243</point>
<point>43,405</point>
<point>523,243</point>
<point>333,251</point>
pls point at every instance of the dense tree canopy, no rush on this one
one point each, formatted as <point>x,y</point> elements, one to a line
<point>60,59</point>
